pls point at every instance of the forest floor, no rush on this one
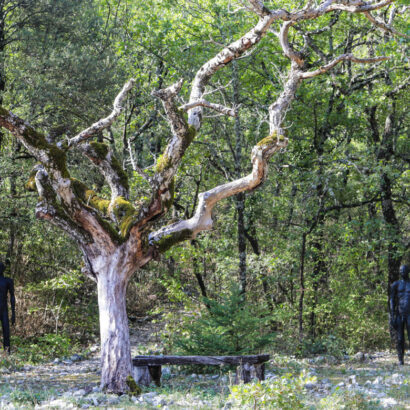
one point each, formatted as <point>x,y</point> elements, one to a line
<point>369,381</point>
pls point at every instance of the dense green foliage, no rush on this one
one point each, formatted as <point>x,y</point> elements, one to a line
<point>324,235</point>
<point>228,327</point>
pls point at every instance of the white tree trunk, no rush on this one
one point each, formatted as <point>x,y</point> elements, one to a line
<point>114,332</point>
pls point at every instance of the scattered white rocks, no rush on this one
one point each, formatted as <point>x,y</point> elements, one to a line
<point>396,378</point>
<point>352,380</point>
<point>359,357</point>
<point>148,396</point>
<point>94,349</point>
<point>388,402</point>
<point>310,386</point>
<point>374,384</point>
<point>166,371</point>
<point>56,404</point>
<point>378,381</point>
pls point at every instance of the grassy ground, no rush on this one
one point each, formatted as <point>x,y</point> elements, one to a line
<point>43,384</point>
<point>378,382</point>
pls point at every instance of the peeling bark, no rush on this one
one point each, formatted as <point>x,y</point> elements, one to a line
<point>114,332</point>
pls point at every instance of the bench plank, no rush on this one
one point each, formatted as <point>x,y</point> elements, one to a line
<point>204,360</point>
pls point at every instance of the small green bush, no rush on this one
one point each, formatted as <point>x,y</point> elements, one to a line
<point>231,326</point>
<point>286,392</point>
<point>328,344</point>
<point>348,400</point>
<point>43,348</point>
<point>28,397</point>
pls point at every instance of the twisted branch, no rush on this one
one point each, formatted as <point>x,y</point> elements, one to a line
<point>104,122</point>
<point>337,60</point>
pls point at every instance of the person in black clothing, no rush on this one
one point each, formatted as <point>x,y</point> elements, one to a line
<point>400,309</point>
<point>6,287</point>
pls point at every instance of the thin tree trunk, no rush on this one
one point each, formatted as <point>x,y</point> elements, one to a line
<point>302,284</point>
<point>318,277</point>
<point>2,73</point>
<point>239,198</point>
<point>13,214</point>
<point>385,153</point>
<point>240,208</point>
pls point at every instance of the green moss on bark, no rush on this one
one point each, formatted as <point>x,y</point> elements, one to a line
<point>134,389</point>
<point>168,241</point>
<point>31,183</point>
<point>56,155</point>
<point>100,149</point>
<point>125,214</point>
<point>59,160</point>
<point>120,172</point>
<point>271,139</point>
<point>89,197</point>
<point>163,163</point>
<point>171,190</point>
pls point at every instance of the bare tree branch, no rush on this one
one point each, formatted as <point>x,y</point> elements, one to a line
<point>284,42</point>
<point>76,212</point>
<point>233,51</point>
<point>104,122</point>
<point>203,103</point>
<point>134,165</point>
<point>384,26</point>
<point>101,156</point>
<point>202,219</point>
<point>337,60</point>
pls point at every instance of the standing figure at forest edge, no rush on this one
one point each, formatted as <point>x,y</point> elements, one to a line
<point>400,309</point>
<point>6,286</point>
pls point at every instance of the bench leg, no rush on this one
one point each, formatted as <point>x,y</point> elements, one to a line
<point>246,372</point>
<point>155,372</point>
<point>142,375</point>
<point>260,371</point>
<point>243,372</point>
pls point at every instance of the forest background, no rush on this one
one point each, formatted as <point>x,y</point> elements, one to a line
<point>308,257</point>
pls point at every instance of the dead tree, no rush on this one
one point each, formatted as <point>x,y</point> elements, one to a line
<point>116,236</point>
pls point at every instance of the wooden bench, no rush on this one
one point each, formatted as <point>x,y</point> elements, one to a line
<point>148,368</point>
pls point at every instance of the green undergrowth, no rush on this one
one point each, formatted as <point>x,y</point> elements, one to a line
<point>37,350</point>
<point>217,390</point>
<point>30,397</point>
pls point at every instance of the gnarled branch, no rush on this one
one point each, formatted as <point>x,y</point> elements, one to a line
<point>203,103</point>
<point>382,25</point>
<point>167,236</point>
<point>337,60</point>
<point>104,159</point>
<point>104,122</point>
<point>284,42</point>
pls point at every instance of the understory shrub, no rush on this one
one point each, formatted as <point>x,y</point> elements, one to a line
<point>39,349</point>
<point>348,400</point>
<point>328,344</point>
<point>231,326</point>
<point>29,397</point>
<point>285,392</point>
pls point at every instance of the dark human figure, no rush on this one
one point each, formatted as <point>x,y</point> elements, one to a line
<point>6,286</point>
<point>400,309</point>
